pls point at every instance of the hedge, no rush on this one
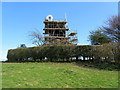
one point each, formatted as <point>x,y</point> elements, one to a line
<point>106,52</point>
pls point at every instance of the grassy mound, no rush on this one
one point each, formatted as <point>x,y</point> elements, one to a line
<point>56,75</point>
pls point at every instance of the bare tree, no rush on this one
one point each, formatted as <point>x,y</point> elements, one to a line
<point>112,28</point>
<point>37,38</point>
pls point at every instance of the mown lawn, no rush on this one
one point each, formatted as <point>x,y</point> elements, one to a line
<point>56,75</point>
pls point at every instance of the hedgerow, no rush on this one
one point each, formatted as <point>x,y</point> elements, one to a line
<point>97,53</point>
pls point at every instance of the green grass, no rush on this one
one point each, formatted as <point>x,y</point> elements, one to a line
<point>56,75</point>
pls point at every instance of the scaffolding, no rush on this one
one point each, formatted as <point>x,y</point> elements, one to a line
<point>73,36</point>
<point>57,31</point>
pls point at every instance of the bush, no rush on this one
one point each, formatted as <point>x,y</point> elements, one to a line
<point>97,53</point>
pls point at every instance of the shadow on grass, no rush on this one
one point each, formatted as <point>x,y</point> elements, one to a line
<point>45,61</point>
<point>81,63</point>
<point>100,66</point>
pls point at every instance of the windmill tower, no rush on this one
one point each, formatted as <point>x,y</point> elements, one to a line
<point>55,31</point>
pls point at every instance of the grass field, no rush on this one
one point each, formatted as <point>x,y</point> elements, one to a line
<point>56,75</point>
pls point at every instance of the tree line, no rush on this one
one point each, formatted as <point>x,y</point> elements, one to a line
<point>96,53</point>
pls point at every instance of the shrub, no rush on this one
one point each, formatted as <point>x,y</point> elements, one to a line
<point>98,53</point>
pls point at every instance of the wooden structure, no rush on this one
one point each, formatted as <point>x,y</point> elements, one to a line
<point>56,30</point>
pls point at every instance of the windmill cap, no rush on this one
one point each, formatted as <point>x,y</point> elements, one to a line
<point>49,17</point>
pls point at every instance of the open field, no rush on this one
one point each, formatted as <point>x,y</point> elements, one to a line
<point>56,75</point>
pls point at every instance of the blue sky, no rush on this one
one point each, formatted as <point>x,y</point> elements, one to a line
<point>19,19</point>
